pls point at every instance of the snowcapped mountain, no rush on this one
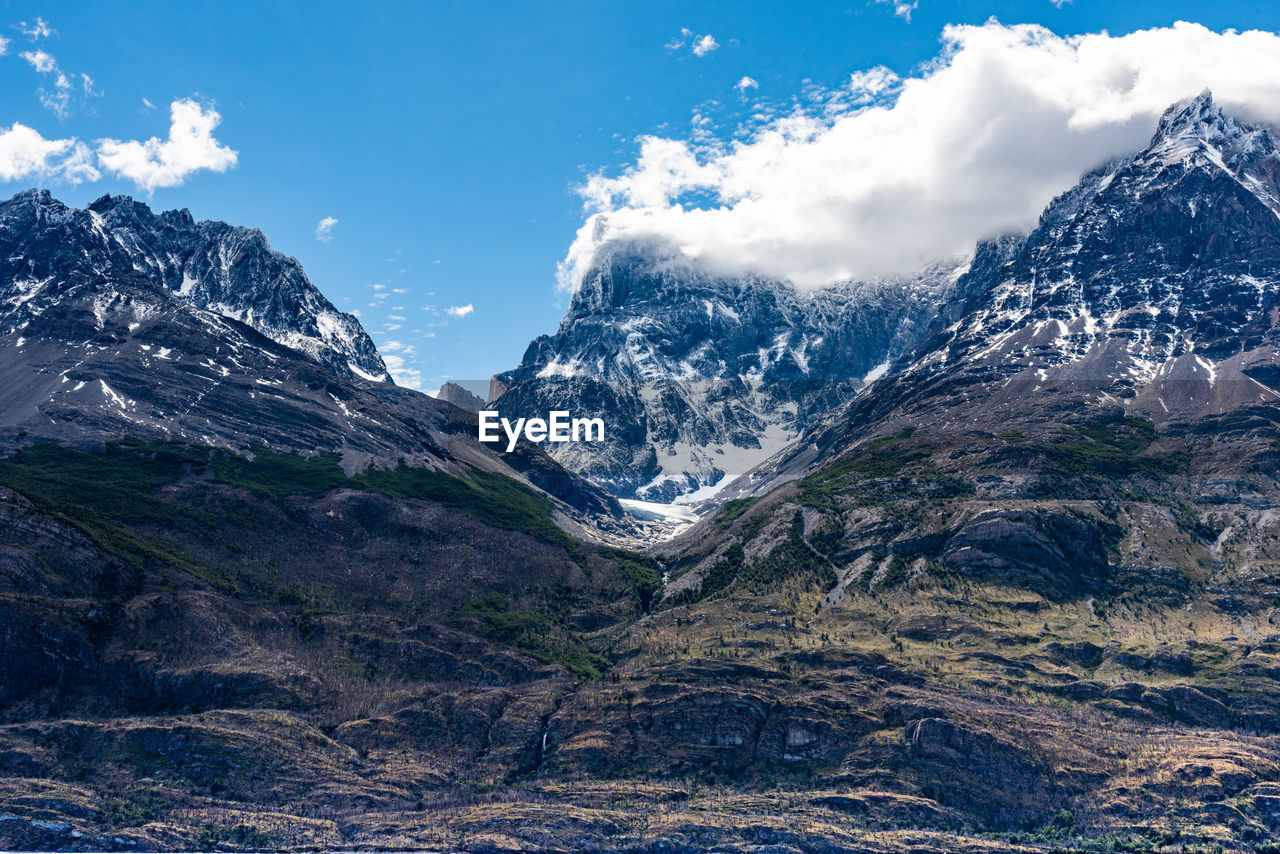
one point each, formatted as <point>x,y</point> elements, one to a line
<point>1152,288</point>
<point>1155,267</point>
<point>699,377</point>
<point>218,267</point>
<point>118,321</point>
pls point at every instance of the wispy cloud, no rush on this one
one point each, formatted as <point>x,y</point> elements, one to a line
<point>459,310</point>
<point>189,148</point>
<point>58,98</point>
<point>901,8</point>
<point>40,60</point>
<point>746,83</point>
<point>403,373</point>
<point>679,42</point>
<point>39,30</point>
<point>324,229</point>
<point>699,45</point>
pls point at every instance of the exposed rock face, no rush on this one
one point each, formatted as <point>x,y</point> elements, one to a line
<point>461,398</point>
<point>699,377</point>
<point>118,244</point>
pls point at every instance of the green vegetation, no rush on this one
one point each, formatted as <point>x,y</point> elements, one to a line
<point>492,498</point>
<point>885,471</point>
<point>732,510</point>
<point>1113,449</point>
<point>496,618</point>
<point>103,493</point>
<point>1102,459</point>
<point>792,558</point>
<point>722,573</point>
<point>641,570</point>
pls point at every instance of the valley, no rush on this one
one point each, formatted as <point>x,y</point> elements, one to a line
<point>999,572</point>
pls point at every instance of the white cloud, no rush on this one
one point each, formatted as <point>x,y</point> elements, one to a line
<point>1060,3</point>
<point>901,8</point>
<point>868,85</point>
<point>79,165</point>
<point>324,229</point>
<point>902,172</point>
<point>402,373</point>
<point>26,155</point>
<point>40,60</point>
<point>148,105</point>
<point>39,30</point>
<point>677,43</point>
<point>699,45</point>
<point>4,46</point>
<point>58,99</point>
<point>167,163</point>
<point>746,83</point>
<point>459,310</point>
<point>705,45</point>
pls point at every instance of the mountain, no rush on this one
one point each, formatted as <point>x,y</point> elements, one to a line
<point>117,321</point>
<point>1016,594</point>
<point>223,269</point>
<point>1150,289</point>
<point>1028,577</point>
<point>699,377</point>
<point>223,538</point>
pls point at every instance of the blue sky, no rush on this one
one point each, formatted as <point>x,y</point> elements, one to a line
<point>448,138</point>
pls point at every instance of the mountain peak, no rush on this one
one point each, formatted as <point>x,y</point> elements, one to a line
<point>229,270</point>
<point>1193,120</point>
<point>36,197</point>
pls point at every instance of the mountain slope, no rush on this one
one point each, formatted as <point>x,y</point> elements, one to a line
<point>700,377</point>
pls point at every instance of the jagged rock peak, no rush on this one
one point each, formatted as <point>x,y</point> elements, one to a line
<point>1200,123</point>
<point>229,270</point>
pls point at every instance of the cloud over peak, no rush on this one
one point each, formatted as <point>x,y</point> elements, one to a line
<point>891,173</point>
